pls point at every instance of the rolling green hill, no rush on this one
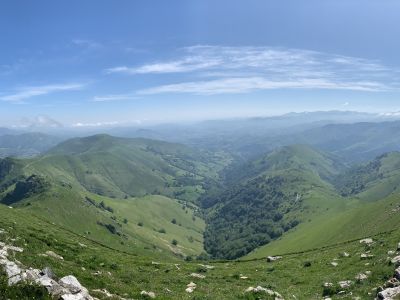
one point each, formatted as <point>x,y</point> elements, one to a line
<point>297,198</point>
<point>126,189</point>
<point>366,201</point>
<point>266,199</point>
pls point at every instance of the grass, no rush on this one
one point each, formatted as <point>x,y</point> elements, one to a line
<point>129,274</point>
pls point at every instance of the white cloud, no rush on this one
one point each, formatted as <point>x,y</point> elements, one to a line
<point>248,84</point>
<point>33,91</point>
<point>96,124</point>
<point>117,97</point>
<point>188,64</point>
<point>216,69</point>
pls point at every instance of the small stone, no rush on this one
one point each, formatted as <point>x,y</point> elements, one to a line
<point>367,241</point>
<point>151,295</point>
<point>273,258</point>
<point>54,255</point>
<point>396,261</point>
<point>345,284</point>
<point>361,277</point>
<point>196,275</point>
<point>335,264</point>
<point>207,266</point>
<point>344,254</point>
<point>366,256</point>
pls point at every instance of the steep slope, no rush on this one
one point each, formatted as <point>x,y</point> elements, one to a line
<point>118,167</point>
<point>266,199</point>
<point>372,181</point>
<point>297,276</point>
<point>97,187</point>
<point>371,205</point>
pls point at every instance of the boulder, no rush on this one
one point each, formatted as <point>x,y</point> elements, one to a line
<point>48,272</point>
<point>12,270</point>
<point>396,261</point>
<point>397,273</point>
<point>71,283</point>
<point>389,294</point>
<point>32,274</point>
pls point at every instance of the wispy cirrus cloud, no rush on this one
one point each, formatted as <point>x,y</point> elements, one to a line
<point>25,93</point>
<point>249,84</point>
<point>187,64</point>
<point>117,97</point>
<point>216,70</point>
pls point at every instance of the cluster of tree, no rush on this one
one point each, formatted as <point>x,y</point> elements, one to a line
<point>25,188</point>
<point>100,205</point>
<point>247,216</point>
<point>355,179</point>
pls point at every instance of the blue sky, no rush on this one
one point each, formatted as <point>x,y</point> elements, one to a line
<point>118,62</point>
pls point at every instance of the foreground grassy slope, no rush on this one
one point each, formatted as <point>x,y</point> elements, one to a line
<point>301,275</point>
<point>141,225</point>
<point>336,220</point>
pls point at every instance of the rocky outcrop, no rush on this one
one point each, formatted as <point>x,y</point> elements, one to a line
<point>67,288</point>
<point>389,293</point>
<point>391,289</point>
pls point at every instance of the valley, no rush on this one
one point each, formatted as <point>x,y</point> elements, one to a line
<point>166,210</point>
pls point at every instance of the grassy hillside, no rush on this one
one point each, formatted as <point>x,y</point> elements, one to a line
<point>299,275</point>
<point>266,199</point>
<point>370,203</point>
<point>116,184</point>
<point>118,167</point>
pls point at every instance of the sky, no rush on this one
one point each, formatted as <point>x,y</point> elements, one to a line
<point>104,62</point>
